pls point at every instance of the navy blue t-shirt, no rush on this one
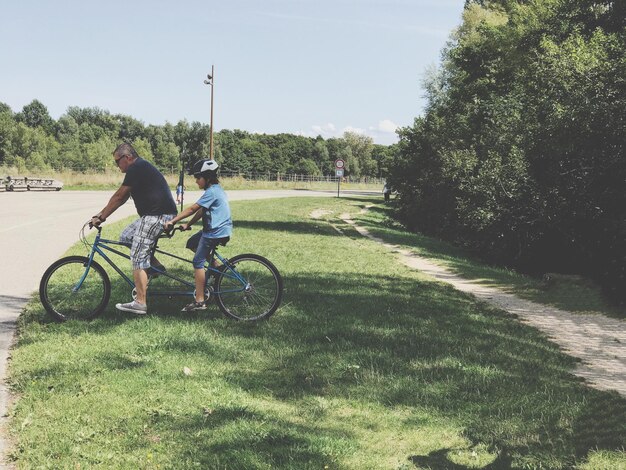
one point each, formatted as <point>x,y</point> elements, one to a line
<point>150,192</point>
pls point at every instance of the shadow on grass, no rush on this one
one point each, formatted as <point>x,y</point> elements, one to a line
<point>402,343</point>
<point>238,437</point>
<point>313,228</point>
<point>509,388</point>
<point>440,460</point>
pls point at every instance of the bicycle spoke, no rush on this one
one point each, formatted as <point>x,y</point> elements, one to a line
<point>68,292</point>
<point>253,291</point>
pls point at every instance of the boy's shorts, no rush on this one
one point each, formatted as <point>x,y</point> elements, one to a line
<point>202,245</point>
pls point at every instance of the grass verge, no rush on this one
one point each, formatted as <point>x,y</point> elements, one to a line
<point>572,293</point>
<point>366,365</point>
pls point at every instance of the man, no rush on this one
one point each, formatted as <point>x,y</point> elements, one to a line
<point>387,192</point>
<point>155,206</point>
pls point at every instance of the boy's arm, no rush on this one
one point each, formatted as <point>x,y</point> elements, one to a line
<point>195,217</point>
<point>183,215</point>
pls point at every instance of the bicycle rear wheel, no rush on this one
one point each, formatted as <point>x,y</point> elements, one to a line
<point>249,288</point>
<point>65,297</point>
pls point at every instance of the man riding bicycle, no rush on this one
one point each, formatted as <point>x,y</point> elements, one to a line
<point>155,206</point>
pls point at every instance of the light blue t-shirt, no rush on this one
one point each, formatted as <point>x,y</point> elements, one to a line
<point>216,221</point>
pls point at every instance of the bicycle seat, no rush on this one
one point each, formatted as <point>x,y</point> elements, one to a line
<point>221,241</point>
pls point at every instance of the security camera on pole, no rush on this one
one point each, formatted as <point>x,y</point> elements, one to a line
<point>339,169</point>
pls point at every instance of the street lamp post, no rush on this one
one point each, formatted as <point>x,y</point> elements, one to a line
<point>209,81</point>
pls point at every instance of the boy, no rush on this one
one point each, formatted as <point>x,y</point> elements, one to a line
<point>217,225</point>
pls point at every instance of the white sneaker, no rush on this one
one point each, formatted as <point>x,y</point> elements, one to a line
<point>133,307</point>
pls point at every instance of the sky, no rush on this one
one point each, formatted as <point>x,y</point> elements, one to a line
<point>308,67</point>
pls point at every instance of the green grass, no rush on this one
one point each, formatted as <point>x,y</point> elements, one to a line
<point>366,365</point>
<point>573,293</point>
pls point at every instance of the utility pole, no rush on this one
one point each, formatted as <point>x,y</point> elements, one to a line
<point>209,81</point>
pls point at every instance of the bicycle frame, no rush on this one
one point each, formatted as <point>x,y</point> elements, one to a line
<point>101,245</point>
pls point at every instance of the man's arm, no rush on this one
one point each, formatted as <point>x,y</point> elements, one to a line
<point>118,199</point>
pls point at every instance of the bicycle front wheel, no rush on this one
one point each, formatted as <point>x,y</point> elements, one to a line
<point>70,291</point>
<point>249,288</point>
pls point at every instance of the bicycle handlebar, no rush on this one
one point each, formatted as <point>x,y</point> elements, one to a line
<point>166,233</point>
<point>99,227</point>
<point>170,233</point>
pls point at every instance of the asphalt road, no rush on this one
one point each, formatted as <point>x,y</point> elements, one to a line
<point>37,227</point>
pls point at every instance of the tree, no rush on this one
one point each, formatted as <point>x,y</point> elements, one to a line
<point>142,146</point>
<point>306,166</point>
<point>520,152</point>
<point>5,109</point>
<point>321,157</point>
<point>7,128</point>
<point>131,129</point>
<point>35,114</point>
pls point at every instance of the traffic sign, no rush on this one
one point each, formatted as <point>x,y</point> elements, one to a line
<point>339,172</point>
<point>339,164</point>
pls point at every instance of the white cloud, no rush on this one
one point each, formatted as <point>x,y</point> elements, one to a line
<point>325,129</point>
<point>387,126</point>
<point>383,132</point>
<point>354,130</point>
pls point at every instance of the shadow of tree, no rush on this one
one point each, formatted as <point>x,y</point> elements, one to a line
<point>237,437</point>
<point>439,460</point>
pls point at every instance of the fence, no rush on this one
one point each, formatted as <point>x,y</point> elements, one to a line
<point>293,177</point>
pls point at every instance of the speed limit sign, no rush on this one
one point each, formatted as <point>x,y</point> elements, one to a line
<point>339,164</point>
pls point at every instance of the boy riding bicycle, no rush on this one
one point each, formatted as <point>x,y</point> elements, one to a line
<point>217,225</point>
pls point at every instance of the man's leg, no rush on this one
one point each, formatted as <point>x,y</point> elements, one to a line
<point>127,235</point>
<point>141,284</point>
<point>145,234</point>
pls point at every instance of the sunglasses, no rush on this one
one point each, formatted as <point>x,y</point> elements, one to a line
<point>117,160</point>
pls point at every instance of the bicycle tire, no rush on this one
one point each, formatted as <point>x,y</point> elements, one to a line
<point>57,295</point>
<point>259,298</point>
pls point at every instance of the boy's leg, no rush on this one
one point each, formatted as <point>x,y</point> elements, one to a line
<point>199,276</point>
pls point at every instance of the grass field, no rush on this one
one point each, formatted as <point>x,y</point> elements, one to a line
<point>366,365</point>
<point>573,293</point>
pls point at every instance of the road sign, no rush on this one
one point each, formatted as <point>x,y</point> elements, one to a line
<point>339,172</point>
<point>339,164</point>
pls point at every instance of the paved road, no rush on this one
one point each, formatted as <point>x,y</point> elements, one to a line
<point>36,228</point>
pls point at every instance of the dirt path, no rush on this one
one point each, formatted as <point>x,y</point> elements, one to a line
<point>599,341</point>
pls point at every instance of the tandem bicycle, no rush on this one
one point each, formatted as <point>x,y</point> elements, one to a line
<point>245,287</point>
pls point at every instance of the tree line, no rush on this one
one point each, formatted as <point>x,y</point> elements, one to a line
<point>520,152</point>
<point>82,139</point>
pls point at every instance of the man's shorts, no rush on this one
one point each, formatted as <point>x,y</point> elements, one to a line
<point>141,235</point>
